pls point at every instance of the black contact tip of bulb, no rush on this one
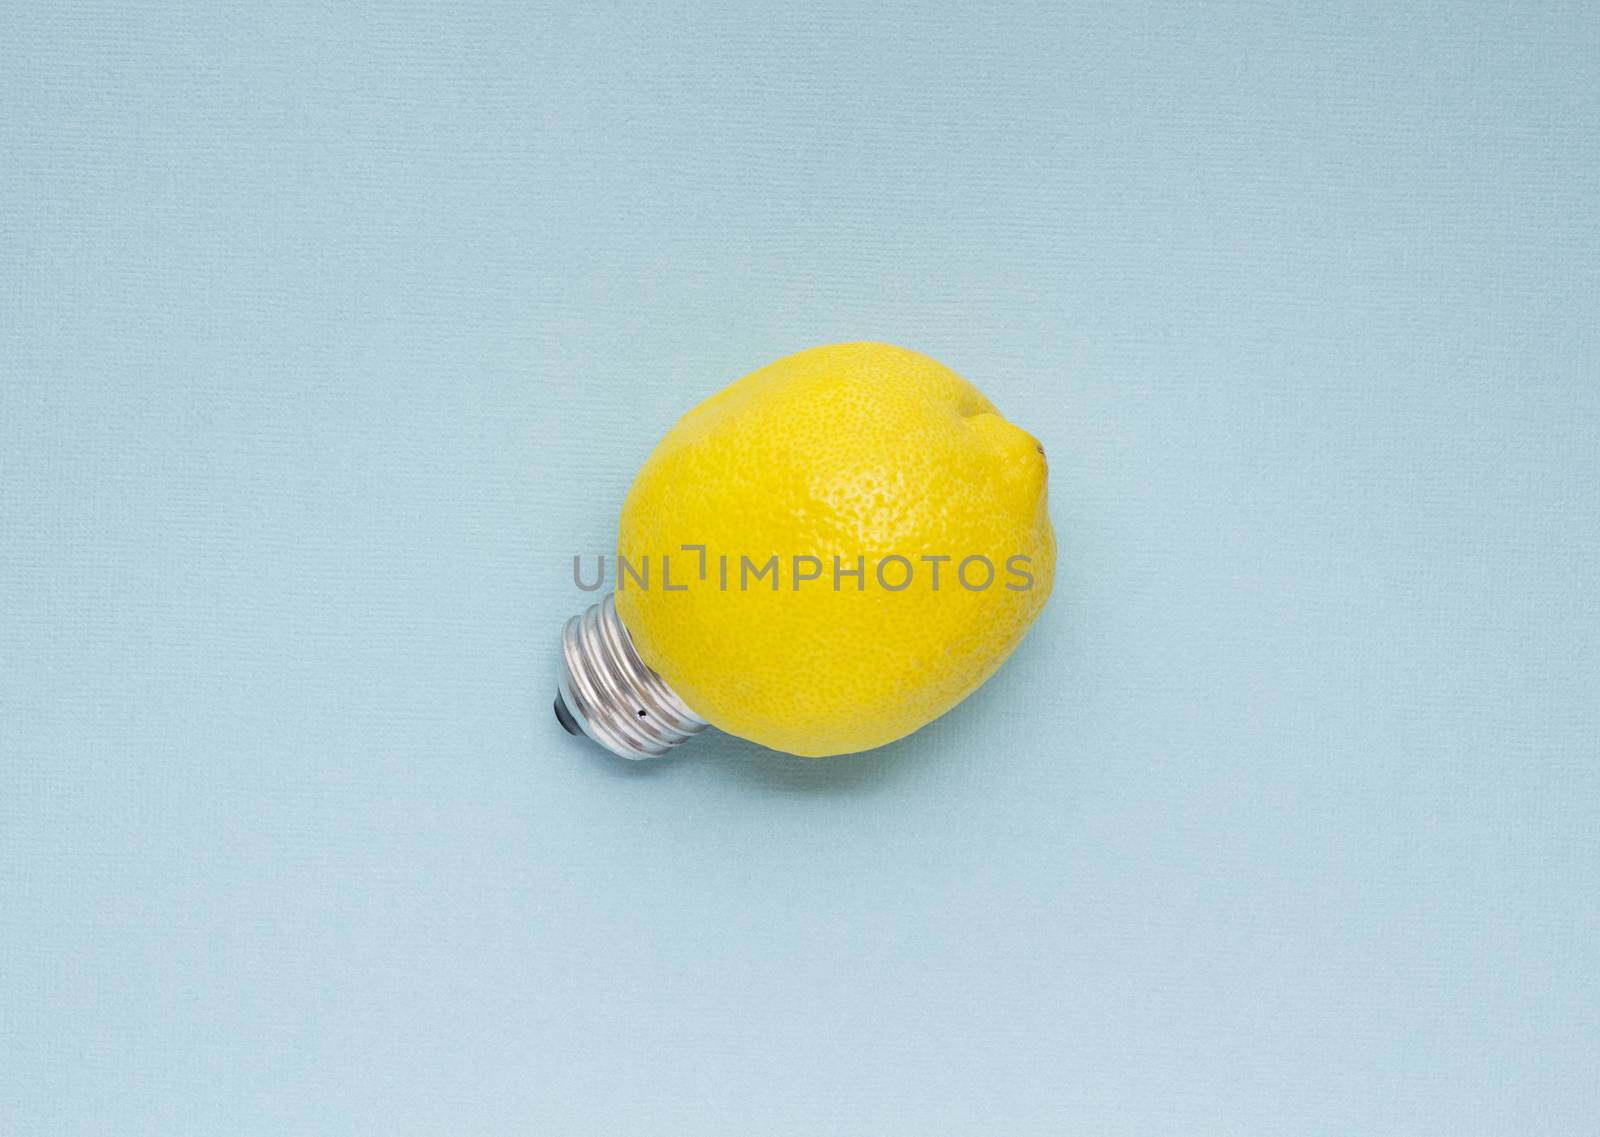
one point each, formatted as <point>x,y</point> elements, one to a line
<point>564,716</point>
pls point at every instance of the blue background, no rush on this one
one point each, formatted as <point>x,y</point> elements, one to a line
<point>328,333</point>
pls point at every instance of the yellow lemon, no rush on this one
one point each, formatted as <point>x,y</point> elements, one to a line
<point>836,549</point>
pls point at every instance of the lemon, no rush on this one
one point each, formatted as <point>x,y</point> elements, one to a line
<point>802,558</point>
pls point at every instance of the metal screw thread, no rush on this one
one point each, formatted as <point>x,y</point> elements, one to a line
<point>610,694</point>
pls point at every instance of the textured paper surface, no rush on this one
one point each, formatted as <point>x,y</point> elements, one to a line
<point>328,333</point>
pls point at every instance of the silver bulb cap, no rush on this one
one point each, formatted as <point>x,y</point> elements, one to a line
<point>608,693</point>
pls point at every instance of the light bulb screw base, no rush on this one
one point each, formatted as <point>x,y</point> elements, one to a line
<point>605,691</point>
